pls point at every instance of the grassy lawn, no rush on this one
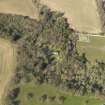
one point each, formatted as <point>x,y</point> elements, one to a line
<point>39,90</point>
<point>95,49</point>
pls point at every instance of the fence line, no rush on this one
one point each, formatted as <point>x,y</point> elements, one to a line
<point>90,33</point>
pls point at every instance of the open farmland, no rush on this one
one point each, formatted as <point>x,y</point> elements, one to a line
<point>19,7</point>
<point>7,65</point>
<point>83,15</point>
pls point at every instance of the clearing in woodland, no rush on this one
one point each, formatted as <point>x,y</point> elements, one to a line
<point>7,65</point>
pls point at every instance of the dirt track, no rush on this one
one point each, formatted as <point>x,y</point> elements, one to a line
<point>7,65</point>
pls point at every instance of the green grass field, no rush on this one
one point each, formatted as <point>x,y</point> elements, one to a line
<point>39,90</point>
<point>95,49</point>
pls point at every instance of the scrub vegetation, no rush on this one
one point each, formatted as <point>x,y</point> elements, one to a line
<point>50,71</point>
